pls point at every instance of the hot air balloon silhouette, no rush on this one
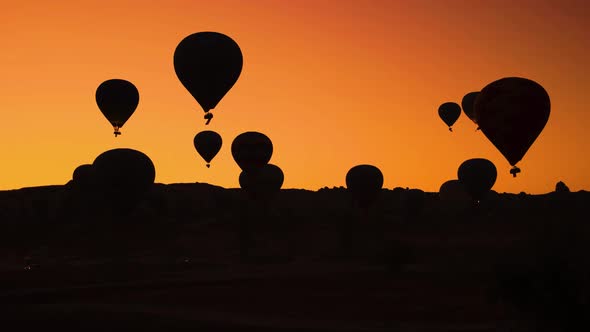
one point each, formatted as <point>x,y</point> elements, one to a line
<point>478,176</point>
<point>251,150</point>
<point>123,177</point>
<point>207,143</point>
<point>263,182</point>
<point>511,113</point>
<point>117,99</point>
<point>467,104</point>
<point>365,183</point>
<point>208,64</point>
<point>449,112</point>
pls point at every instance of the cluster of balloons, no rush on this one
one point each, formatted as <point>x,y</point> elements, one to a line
<point>511,112</point>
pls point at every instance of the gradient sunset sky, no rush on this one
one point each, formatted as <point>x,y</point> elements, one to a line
<point>332,83</point>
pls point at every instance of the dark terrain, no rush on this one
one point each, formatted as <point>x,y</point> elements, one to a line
<point>314,264</point>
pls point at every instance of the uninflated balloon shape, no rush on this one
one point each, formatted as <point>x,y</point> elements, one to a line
<point>449,112</point>
<point>207,143</point>
<point>478,176</point>
<point>208,64</point>
<point>251,150</point>
<point>365,183</point>
<point>117,99</point>
<point>512,112</point>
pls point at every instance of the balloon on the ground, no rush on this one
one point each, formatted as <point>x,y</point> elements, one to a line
<point>251,150</point>
<point>365,183</point>
<point>208,64</point>
<point>117,99</point>
<point>262,182</point>
<point>453,191</point>
<point>207,143</point>
<point>512,112</point>
<point>478,176</point>
<point>449,112</point>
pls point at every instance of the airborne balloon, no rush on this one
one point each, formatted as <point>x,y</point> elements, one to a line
<point>511,113</point>
<point>117,99</point>
<point>208,64</point>
<point>449,112</point>
<point>207,143</point>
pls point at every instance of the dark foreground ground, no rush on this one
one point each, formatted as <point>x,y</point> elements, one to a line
<point>313,265</point>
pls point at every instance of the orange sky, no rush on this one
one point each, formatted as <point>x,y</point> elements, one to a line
<point>332,83</point>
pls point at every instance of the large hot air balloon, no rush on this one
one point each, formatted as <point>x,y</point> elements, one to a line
<point>251,150</point>
<point>262,182</point>
<point>208,64</point>
<point>123,177</point>
<point>467,104</point>
<point>478,176</point>
<point>511,113</point>
<point>365,183</point>
<point>117,99</point>
<point>449,112</point>
<point>207,143</point>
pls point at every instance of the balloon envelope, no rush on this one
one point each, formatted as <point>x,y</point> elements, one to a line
<point>449,112</point>
<point>207,143</point>
<point>365,183</point>
<point>83,176</point>
<point>251,150</point>
<point>117,99</point>
<point>468,103</point>
<point>478,176</point>
<point>262,182</point>
<point>453,191</point>
<point>208,64</point>
<point>123,175</point>
<point>512,112</point>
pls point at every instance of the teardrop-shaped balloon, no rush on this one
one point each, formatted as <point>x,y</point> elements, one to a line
<point>449,112</point>
<point>207,143</point>
<point>117,99</point>
<point>478,176</point>
<point>208,64</point>
<point>468,104</point>
<point>365,183</point>
<point>511,113</point>
<point>262,182</point>
<point>251,150</point>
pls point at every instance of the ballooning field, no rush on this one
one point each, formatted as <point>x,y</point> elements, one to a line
<point>310,260</point>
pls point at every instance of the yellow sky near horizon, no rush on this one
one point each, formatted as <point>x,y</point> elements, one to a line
<point>332,83</point>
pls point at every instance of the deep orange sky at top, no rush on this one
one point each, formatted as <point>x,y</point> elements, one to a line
<point>332,83</point>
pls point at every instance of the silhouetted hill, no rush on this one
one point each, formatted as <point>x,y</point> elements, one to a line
<point>444,256</point>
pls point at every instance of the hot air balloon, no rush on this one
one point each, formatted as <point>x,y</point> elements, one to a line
<point>478,176</point>
<point>467,104</point>
<point>365,183</point>
<point>453,191</point>
<point>117,99</point>
<point>511,113</point>
<point>207,143</point>
<point>208,64</point>
<point>262,182</point>
<point>251,150</point>
<point>83,176</point>
<point>449,112</point>
<point>123,177</point>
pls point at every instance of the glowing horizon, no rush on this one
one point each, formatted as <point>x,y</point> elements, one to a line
<point>332,83</point>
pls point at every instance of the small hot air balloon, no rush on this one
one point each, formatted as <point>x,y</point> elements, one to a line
<point>449,112</point>
<point>453,191</point>
<point>467,104</point>
<point>208,64</point>
<point>262,182</point>
<point>478,176</point>
<point>365,183</point>
<point>123,176</point>
<point>251,150</point>
<point>83,176</point>
<point>117,99</point>
<point>511,113</point>
<point>207,143</point>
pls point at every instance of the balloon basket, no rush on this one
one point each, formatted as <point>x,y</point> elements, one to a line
<point>515,170</point>
<point>208,165</point>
